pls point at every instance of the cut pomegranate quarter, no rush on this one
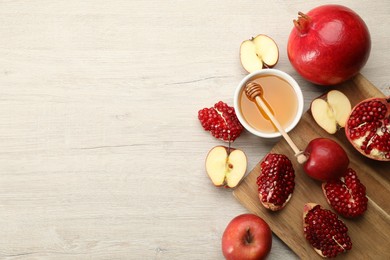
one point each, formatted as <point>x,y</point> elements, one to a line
<point>325,232</point>
<point>276,181</point>
<point>346,195</point>
<point>221,121</point>
<point>368,128</point>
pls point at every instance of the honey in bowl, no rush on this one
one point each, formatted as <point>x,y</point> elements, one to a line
<point>280,98</point>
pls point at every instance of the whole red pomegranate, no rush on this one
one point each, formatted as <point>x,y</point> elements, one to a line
<point>368,128</point>
<point>329,44</point>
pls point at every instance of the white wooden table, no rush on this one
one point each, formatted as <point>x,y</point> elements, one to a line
<point>102,155</point>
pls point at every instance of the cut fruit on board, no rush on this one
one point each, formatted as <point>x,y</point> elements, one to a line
<point>369,233</point>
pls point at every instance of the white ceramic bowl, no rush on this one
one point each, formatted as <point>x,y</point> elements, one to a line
<point>277,73</point>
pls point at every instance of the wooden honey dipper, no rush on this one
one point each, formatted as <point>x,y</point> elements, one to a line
<point>254,92</point>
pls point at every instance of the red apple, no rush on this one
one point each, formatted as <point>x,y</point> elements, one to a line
<point>247,236</point>
<point>327,160</point>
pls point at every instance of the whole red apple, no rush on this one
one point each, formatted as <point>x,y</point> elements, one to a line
<point>329,44</point>
<point>247,236</point>
<point>326,159</point>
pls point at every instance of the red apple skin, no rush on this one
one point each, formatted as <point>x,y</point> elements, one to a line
<point>326,159</point>
<point>247,236</point>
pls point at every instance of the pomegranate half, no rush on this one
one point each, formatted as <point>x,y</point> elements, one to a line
<point>368,128</point>
<point>329,45</point>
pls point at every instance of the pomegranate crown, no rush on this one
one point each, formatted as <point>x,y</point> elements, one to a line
<point>302,23</point>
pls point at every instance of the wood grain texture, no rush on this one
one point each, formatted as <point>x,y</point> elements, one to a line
<point>369,233</point>
<point>101,152</point>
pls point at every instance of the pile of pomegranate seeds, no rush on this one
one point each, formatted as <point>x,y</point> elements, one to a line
<point>325,232</point>
<point>276,181</point>
<point>221,121</point>
<point>347,195</point>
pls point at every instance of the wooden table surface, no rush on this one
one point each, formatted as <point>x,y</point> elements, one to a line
<point>102,155</point>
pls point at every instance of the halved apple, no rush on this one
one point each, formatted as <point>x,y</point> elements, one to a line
<point>331,111</point>
<point>259,52</point>
<point>224,167</point>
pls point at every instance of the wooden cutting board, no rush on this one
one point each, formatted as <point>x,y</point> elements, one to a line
<point>370,233</point>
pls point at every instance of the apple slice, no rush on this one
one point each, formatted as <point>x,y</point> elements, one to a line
<point>224,168</point>
<point>259,52</point>
<point>331,111</point>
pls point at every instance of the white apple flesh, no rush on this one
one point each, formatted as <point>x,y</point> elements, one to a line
<point>259,52</point>
<point>224,168</point>
<point>331,111</point>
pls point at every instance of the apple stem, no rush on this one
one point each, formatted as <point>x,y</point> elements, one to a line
<point>302,24</point>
